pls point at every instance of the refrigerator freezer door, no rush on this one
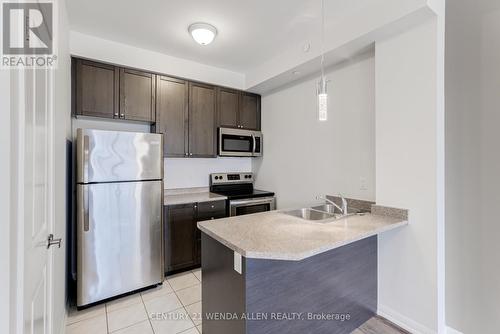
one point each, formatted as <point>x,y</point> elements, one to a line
<point>110,156</point>
<point>119,239</point>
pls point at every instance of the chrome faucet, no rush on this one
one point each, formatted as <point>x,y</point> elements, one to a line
<point>342,209</point>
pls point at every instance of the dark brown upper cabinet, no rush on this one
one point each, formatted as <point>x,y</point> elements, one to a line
<point>228,107</point>
<point>137,95</point>
<point>172,115</point>
<point>187,113</point>
<point>202,120</point>
<point>96,89</point>
<point>238,109</point>
<point>249,111</point>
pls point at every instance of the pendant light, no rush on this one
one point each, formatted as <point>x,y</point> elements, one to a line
<point>322,86</point>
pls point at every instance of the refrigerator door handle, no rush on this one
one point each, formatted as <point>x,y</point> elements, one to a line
<point>86,226</point>
<point>83,212</point>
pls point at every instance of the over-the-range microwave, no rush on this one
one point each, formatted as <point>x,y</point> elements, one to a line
<point>239,143</point>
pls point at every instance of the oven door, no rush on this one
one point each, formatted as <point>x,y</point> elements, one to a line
<point>239,143</point>
<point>251,205</point>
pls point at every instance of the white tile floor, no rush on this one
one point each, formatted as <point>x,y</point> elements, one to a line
<point>173,308</point>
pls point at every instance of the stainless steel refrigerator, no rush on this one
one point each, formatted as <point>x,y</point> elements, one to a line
<point>119,187</point>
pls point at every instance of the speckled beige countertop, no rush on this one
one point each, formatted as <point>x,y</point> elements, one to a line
<point>275,235</point>
<point>190,195</point>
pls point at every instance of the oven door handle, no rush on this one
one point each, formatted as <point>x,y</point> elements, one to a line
<point>263,200</point>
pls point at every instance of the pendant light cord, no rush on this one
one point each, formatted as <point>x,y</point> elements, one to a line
<point>322,39</point>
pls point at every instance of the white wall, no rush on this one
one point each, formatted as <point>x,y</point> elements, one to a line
<point>472,165</point>
<point>490,167</point>
<point>304,157</point>
<point>62,133</point>
<point>348,30</point>
<point>409,174</point>
<point>127,55</point>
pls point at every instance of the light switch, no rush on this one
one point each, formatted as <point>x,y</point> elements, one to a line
<point>237,262</point>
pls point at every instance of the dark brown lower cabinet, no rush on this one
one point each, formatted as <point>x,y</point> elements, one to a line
<point>179,236</point>
<point>182,236</point>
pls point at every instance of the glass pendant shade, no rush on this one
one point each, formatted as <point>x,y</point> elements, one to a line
<point>322,100</point>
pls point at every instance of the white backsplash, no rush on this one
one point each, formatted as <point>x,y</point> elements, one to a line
<point>193,172</point>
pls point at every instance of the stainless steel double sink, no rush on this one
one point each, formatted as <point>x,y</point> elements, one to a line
<point>319,212</point>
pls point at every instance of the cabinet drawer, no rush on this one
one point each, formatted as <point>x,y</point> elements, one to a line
<point>211,210</point>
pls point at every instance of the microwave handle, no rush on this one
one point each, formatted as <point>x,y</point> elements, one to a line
<point>254,144</point>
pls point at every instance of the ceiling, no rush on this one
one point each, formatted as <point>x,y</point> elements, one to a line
<point>249,32</point>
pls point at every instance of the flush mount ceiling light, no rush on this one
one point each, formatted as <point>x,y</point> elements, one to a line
<point>203,33</point>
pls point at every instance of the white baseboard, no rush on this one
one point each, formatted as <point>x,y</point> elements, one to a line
<point>450,330</point>
<point>404,322</point>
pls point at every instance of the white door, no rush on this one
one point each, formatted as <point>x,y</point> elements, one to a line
<point>36,185</point>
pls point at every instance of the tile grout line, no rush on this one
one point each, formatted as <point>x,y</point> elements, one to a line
<point>143,305</point>
<point>94,316</point>
<point>183,307</point>
<point>196,326</point>
<point>195,274</point>
<point>147,314</point>
<point>106,312</point>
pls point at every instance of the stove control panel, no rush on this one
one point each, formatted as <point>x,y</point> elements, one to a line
<point>225,178</point>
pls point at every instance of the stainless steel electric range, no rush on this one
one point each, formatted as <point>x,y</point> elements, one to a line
<point>242,199</point>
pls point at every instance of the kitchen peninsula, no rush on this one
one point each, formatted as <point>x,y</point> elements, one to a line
<point>276,273</point>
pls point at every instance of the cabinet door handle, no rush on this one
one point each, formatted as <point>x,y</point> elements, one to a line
<point>122,113</point>
<point>186,154</point>
<point>190,153</point>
